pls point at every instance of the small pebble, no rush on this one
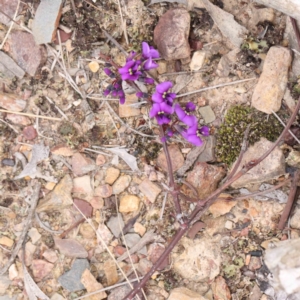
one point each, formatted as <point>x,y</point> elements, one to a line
<point>8,162</point>
<point>29,133</point>
<point>94,66</point>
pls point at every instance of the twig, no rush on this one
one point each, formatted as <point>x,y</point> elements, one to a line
<point>215,86</point>
<point>33,202</point>
<point>30,115</point>
<point>113,121</point>
<point>296,30</point>
<point>115,42</point>
<point>294,191</point>
<point>10,126</point>
<point>123,23</point>
<point>59,110</point>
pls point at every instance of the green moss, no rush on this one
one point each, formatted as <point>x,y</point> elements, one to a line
<point>231,132</point>
<point>66,129</point>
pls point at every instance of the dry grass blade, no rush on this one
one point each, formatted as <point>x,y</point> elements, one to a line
<point>30,115</point>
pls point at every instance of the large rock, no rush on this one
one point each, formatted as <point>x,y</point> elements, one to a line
<point>183,293</point>
<point>271,167</point>
<point>271,86</point>
<point>171,34</point>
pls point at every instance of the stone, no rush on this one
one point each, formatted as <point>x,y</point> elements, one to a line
<point>29,133</point>
<point>220,289</point>
<point>34,235</point>
<point>40,269</point>
<point>149,189</point>
<point>207,114</point>
<point>155,251</point>
<point>272,83</point>
<point>71,280</point>
<point>103,191</point>
<point>25,52</point>
<point>208,154</point>
<point>115,223</point>
<point>18,119</point>
<point>57,296</point>
<point>132,239</point>
<point>7,10</point>
<point>255,293</point>
<point>221,206</point>
<point>119,293</point>
<point>227,63</point>
<point>29,251</point>
<point>59,198</point>
<point>182,293</point>
<point>255,263</point>
<point>126,110</point>
<point>12,102</point>
<point>13,272</point>
<point>177,159</point>
<point>62,150</point>
<point>139,228</point>
<point>205,178</point>
<point>111,175</point>
<point>111,272</point>
<point>97,202</point>
<point>295,219</point>
<point>162,67</point>
<point>94,66</point>
<point>70,248</point>
<point>197,60</point>
<point>171,34</point>
<point>92,285</point>
<point>46,20</point>
<point>4,284</point>
<point>205,254</point>
<point>105,235</point>
<point>8,68</point>
<point>82,187</point>
<point>270,168</point>
<point>129,203</point>
<point>121,184</point>
<point>87,231</point>
<point>50,255</point>
<point>6,242</point>
<point>144,266</point>
<point>100,160</point>
<point>82,164</point>
<point>262,15</point>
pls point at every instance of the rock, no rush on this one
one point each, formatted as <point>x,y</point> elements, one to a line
<point>132,239</point>
<point>171,34</point>
<point>105,235</point>
<point>13,272</point>
<point>197,60</point>
<point>262,15</point>
<point>139,228</point>
<point>144,266</point>
<point>92,285</point>
<point>29,133</point>
<point>182,293</point>
<point>12,102</point>
<point>208,154</point>
<point>18,119</point>
<point>25,52</point>
<point>57,296</point>
<point>40,269</point>
<point>227,63</point>
<point>111,175</point>
<point>149,189</point>
<point>129,203</point>
<point>255,263</point>
<point>155,251</point>
<point>4,284</point>
<point>59,198</point>
<point>119,293</point>
<point>82,187</point>
<point>34,235</point>
<point>71,280</point>
<point>220,289</point>
<point>87,231</point>
<point>115,224</point>
<point>127,110</point>
<point>271,167</point>
<point>205,178</point>
<point>62,150</point>
<point>104,191</point>
<point>82,164</point>
<point>8,68</point>
<point>177,159</point>
<point>50,255</point>
<point>204,253</point>
<point>207,114</point>
<point>271,86</point>
<point>46,20</point>
<point>7,11</point>
<point>94,66</point>
<point>266,244</point>
<point>100,160</point>
<point>6,242</point>
<point>70,248</point>
<point>29,251</point>
<point>121,184</point>
<point>222,206</point>
<point>162,67</point>
<point>97,202</point>
<point>255,293</point>
<point>111,272</point>
<point>295,219</point>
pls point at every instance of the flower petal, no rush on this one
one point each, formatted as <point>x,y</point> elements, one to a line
<point>195,140</point>
<point>163,87</point>
<point>179,112</point>
<point>154,53</point>
<point>145,49</point>
<point>157,97</point>
<point>190,106</point>
<point>166,108</point>
<point>189,120</point>
<point>163,119</point>
<point>154,110</point>
<point>204,130</point>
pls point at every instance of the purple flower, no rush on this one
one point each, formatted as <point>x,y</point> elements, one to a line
<point>193,133</point>
<point>131,55</point>
<point>161,111</point>
<point>149,64</point>
<point>162,95</point>
<point>146,80</point>
<point>148,51</point>
<point>131,70</point>
<point>184,115</point>
<point>115,90</point>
